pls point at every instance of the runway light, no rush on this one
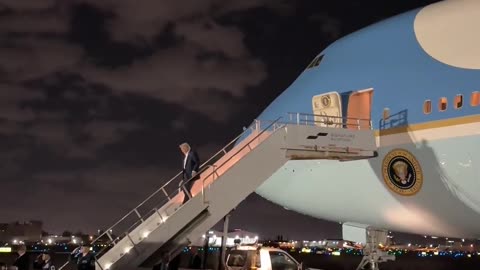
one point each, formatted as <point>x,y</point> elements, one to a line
<point>15,241</point>
<point>49,241</point>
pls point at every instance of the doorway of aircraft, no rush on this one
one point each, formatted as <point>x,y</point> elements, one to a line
<point>329,109</point>
<point>359,109</point>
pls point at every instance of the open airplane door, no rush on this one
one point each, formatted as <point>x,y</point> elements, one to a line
<point>360,109</point>
<point>327,109</point>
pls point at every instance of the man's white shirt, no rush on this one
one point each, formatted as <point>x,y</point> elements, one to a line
<point>185,160</point>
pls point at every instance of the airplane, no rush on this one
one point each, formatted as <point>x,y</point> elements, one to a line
<point>416,76</point>
<point>412,82</point>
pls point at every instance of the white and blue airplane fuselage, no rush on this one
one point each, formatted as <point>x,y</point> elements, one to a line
<point>417,77</point>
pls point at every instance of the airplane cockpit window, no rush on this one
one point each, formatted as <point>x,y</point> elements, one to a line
<point>315,62</point>
<point>427,107</point>
<point>458,102</point>
<point>475,99</point>
<point>442,104</point>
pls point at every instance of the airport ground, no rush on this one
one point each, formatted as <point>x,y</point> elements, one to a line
<point>326,262</point>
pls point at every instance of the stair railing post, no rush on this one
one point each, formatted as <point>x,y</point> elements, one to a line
<point>138,214</point>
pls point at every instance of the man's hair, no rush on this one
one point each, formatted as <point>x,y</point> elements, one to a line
<point>186,145</point>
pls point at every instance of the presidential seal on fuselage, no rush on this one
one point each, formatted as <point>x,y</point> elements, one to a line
<point>402,172</point>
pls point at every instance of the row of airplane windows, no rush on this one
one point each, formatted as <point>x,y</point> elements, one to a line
<point>457,103</point>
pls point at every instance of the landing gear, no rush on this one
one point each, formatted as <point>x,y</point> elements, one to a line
<point>370,238</point>
<point>372,254</point>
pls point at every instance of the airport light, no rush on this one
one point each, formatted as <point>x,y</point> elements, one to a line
<point>15,241</point>
<point>49,240</point>
<point>5,249</point>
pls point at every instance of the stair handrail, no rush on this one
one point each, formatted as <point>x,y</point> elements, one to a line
<point>205,166</point>
<point>296,117</point>
<point>162,188</point>
<point>255,126</point>
<point>273,123</point>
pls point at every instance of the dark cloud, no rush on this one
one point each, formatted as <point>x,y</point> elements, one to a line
<point>141,23</point>
<point>21,6</point>
<point>84,124</point>
<point>328,24</point>
<point>26,59</point>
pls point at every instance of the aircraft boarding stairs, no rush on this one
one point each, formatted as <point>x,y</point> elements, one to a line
<point>226,179</point>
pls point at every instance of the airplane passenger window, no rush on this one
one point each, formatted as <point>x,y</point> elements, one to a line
<point>427,107</point>
<point>475,99</point>
<point>442,104</point>
<point>458,102</point>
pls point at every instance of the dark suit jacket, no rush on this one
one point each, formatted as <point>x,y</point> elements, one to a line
<point>192,164</point>
<point>23,263</point>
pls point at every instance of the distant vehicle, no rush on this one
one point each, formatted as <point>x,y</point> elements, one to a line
<point>261,258</point>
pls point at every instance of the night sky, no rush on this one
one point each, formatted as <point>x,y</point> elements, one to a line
<point>96,95</point>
